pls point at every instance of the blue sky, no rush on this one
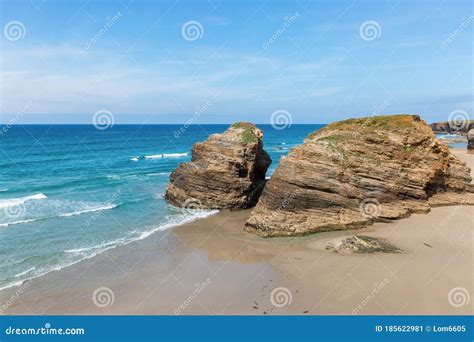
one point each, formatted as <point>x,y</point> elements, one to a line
<point>320,65</point>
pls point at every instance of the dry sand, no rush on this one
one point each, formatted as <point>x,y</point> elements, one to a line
<point>211,266</point>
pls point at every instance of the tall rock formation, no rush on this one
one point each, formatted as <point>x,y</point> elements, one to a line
<point>226,171</point>
<point>354,172</point>
<point>470,140</point>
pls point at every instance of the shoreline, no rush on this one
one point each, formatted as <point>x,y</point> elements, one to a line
<point>163,272</point>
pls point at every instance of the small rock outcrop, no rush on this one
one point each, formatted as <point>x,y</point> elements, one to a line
<point>355,172</point>
<point>363,245</point>
<point>470,140</point>
<point>227,171</point>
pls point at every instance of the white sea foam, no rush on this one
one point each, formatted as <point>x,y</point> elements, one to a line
<point>166,155</point>
<point>25,272</point>
<point>89,210</point>
<point>155,156</point>
<point>158,174</point>
<point>74,213</point>
<point>134,159</point>
<point>10,202</point>
<point>17,222</point>
<point>91,251</point>
<point>174,155</point>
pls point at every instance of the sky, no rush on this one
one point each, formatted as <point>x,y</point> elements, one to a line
<point>217,61</point>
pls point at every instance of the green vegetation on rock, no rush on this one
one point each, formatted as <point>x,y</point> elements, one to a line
<point>248,135</point>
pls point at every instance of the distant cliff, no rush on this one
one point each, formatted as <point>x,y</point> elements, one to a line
<point>226,171</point>
<point>355,172</point>
<point>445,127</point>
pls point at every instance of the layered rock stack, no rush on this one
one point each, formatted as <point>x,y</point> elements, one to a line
<point>354,172</point>
<point>226,171</point>
<point>470,140</point>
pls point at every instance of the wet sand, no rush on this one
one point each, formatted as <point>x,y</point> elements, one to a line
<point>211,266</point>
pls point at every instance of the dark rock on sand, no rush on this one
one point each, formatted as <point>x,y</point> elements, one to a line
<point>226,171</point>
<point>362,244</point>
<point>355,172</point>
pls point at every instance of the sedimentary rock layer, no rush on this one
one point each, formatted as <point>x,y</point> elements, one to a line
<point>354,172</point>
<point>226,171</point>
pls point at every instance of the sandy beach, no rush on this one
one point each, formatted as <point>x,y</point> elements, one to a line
<point>211,266</point>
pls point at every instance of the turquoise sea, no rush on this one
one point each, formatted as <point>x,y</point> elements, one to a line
<point>69,192</point>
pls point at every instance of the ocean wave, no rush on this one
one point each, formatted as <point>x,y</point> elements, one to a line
<point>90,210</point>
<point>4,190</point>
<point>158,174</point>
<point>136,235</point>
<point>166,155</point>
<point>74,213</point>
<point>84,253</point>
<point>17,201</point>
<point>25,272</point>
<point>135,159</point>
